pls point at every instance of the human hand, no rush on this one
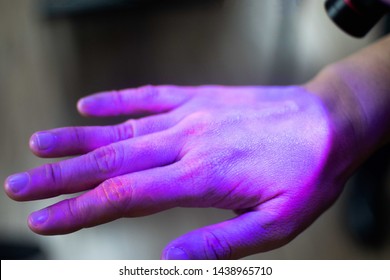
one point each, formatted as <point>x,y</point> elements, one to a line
<point>265,152</point>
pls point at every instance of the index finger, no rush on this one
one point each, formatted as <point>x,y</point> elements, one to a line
<point>146,99</point>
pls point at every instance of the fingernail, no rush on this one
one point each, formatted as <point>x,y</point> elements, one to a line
<point>17,182</point>
<point>39,217</point>
<point>176,254</point>
<point>83,103</point>
<point>42,140</point>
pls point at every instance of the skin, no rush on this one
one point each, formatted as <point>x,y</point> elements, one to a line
<point>277,156</point>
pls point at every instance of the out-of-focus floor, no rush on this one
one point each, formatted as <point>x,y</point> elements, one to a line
<point>47,64</point>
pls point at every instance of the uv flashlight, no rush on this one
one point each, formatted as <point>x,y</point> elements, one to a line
<point>356,17</point>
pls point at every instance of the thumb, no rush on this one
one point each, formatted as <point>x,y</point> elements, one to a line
<point>247,234</point>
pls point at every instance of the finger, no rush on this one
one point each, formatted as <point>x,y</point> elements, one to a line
<point>147,99</point>
<point>70,141</point>
<point>131,195</point>
<point>83,172</point>
<point>247,234</point>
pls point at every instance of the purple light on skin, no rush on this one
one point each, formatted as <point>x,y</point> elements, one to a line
<point>146,99</point>
<point>261,151</point>
<point>16,183</point>
<point>42,141</point>
<point>176,254</point>
<point>38,218</point>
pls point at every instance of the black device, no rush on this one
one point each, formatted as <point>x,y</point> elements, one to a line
<point>356,17</point>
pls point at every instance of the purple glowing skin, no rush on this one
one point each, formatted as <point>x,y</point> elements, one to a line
<point>276,156</point>
<point>259,151</point>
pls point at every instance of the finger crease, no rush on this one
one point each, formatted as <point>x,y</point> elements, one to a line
<point>53,172</point>
<point>119,101</point>
<point>218,249</point>
<point>71,204</point>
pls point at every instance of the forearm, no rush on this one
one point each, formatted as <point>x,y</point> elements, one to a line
<point>356,92</point>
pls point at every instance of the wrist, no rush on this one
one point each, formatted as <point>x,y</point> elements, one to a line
<point>346,119</point>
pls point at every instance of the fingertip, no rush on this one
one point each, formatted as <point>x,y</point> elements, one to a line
<point>174,253</point>
<point>42,143</point>
<point>15,185</point>
<point>7,189</point>
<point>94,105</point>
<point>82,106</point>
<point>194,246</point>
<point>33,143</point>
<point>38,220</point>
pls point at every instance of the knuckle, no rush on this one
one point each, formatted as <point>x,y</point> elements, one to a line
<point>53,173</point>
<point>190,170</point>
<point>124,131</point>
<point>195,167</point>
<point>117,194</point>
<point>79,135</point>
<point>77,214</point>
<point>195,173</point>
<point>73,208</point>
<point>149,92</point>
<point>201,164</point>
<point>216,247</point>
<point>108,159</point>
<point>197,123</point>
<point>117,97</point>
<point>199,117</point>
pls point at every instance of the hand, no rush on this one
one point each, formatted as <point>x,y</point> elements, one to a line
<point>265,152</point>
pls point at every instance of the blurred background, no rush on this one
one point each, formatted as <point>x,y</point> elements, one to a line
<point>54,52</point>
